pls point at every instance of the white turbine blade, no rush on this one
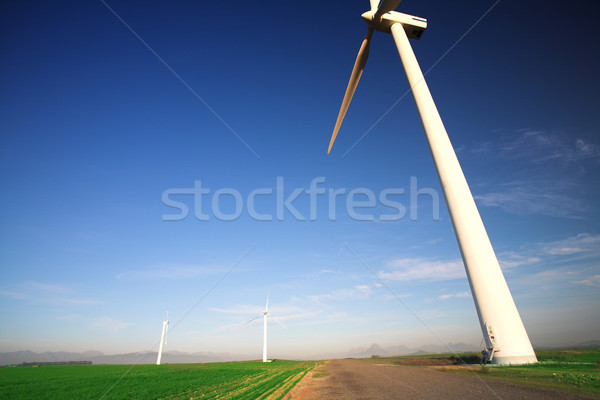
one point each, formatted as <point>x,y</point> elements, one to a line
<point>374,5</point>
<point>278,321</point>
<point>166,327</point>
<point>267,306</point>
<point>257,317</point>
<point>385,7</point>
<point>359,66</point>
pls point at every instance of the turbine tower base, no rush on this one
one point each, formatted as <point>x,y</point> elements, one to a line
<point>514,360</point>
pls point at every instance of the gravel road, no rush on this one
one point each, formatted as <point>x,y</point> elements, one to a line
<point>369,379</point>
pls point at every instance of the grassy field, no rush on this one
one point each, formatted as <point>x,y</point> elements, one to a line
<point>570,370</point>
<point>236,380</point>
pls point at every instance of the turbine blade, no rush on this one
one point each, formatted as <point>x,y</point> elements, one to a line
<point>257,317</point>
<point>278,321</point>
<point>374,4</point>
<point>385,7</point>
<point>359,66</point>
<point>267,306</point>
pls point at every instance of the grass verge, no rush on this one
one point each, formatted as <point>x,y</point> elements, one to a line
<point>570,370</point>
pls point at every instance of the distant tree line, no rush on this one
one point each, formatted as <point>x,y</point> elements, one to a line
<point>43,364</point>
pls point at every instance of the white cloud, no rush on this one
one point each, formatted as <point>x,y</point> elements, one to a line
<point>587,149</point>
<point>511,259</point>
<point>428,315</point>
<point>544,197</point>
<point>239,310</point>
<point>170,272</point>
<point>48,288</point>
<point>73,301</point>
<point>552,170</point>
<point>582,244</point>
<point>454,296</point>
<point>408,269</point>
<point>591,281</point>
<point>356,292</point>
<point>108,324</point>
<point>564,250</point>
<point>537,147</point>
<point>14,295</point>
<point>565,264</point>
<point>38,292</point>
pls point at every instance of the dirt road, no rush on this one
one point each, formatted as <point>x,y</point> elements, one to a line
<point>368,379</point>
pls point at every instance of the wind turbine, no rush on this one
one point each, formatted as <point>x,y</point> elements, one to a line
<point>265,314</point>
<point>163,338</point>
<point>502,328</point>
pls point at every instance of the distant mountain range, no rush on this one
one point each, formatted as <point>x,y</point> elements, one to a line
<point>96,357</point>
<point>401,350</point>
<point>177,357</point>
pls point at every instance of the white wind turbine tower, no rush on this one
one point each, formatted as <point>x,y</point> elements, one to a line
<point>163,338</point>
<point>265,315</point>
<point>500,322</point>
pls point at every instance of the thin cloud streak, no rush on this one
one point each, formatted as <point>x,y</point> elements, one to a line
<point>591,281</point>
<point>553,172</point>
<point>536,197</point>
<point>108,324</point>
<point>454,296</point>
<point>537,147</point>
<point>171,272</point>
<point>581,246</point>
<point>409,269</point>
<point>47,293</point>
<point>356,292</point>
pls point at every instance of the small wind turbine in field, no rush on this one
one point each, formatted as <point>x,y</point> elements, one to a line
<point>163,338</point>
<point>501,325</point>
<point>265,314</point>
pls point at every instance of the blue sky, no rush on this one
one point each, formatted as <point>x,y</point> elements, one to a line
<point>95,128</point>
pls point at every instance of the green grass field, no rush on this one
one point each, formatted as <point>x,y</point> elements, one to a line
<point>570,370</point>
<point>236,380</point>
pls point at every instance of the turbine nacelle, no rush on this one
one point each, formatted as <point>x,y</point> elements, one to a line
<point>413,26</point>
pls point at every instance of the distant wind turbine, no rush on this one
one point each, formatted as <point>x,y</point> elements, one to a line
<point>163,338</point>
<point>502,328</point>
<point>265,314</point>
